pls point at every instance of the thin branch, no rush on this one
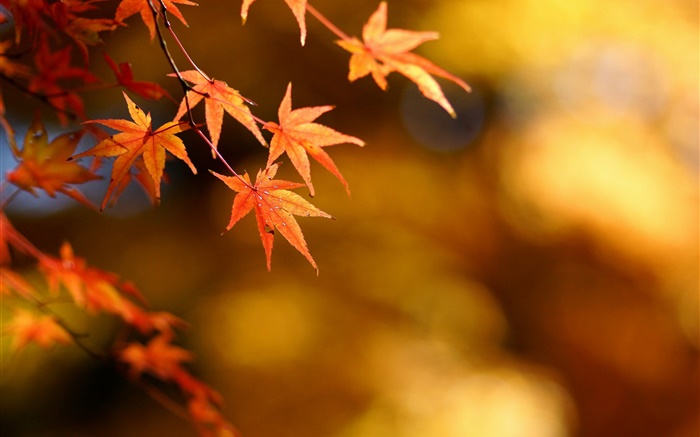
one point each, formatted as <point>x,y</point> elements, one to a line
<point>164,401</point>
<point>41,97</point>
<point>8,199</point>
<point>185,86</point>
<point>83,89</point>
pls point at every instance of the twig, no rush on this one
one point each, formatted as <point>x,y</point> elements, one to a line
<point>41,97</point>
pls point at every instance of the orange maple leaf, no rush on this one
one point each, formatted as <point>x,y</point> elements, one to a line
<point>139,139</point>
<point>158,357</point>
<point>27,327</point>
<point>274,206</point>
<point>383,51</point>
<point>297,135</point>
<point>43,165</point>
<point>127,8</point>
<point>11,282</point>
<point>219,98</point>
<point>298,8</point>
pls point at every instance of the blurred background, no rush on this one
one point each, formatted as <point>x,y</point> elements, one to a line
<point>529,269</point>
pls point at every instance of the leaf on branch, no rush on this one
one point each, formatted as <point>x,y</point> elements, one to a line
<point>100,291</point>
<point>26,327</point>
<point>298,8</point>
<point>139,140</point>
<point>127,8</point>
<point>10,67</point>
<point>27,15</point>
<point>44,165</point>
<point>53,68</point>
<point>274,206</point>
<point>219,97</point>
<point>82,30</point>
<point>383,51</point>
<point>298,136</point>
<point>11,282</point>
<point>158,357</point>
<point>125,78</point>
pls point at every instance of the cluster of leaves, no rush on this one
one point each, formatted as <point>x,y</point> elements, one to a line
<point>68,279</point>
<point>48,32</point>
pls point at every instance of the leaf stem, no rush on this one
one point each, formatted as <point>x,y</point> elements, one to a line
<point>326,22</point>
<point>187,55</point>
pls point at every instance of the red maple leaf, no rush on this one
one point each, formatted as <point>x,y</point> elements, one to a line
<point>138,139</point>
<point>274,207</point>
<point>9,67</point>
<point>127,8</point>
<point>82,30</point>
<point>298,8</point>
<point>298,135</point>
<point>219,98</point>
<point>125,78</point>
<point>26,14</point>
<point>383,51</point>
<point>54,67</point>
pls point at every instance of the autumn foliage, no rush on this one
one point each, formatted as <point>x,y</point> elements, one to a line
<point>40,60</point>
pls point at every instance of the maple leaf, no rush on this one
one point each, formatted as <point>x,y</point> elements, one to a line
<point>27,327</point>
<point>138,173</point>
<point>9,67</point>
<point>138,139</point>
<point>208,417</point>
<point>127,8</point>
<point>383,51</point>
<point>89,287</point>
<point>274,206</point>
<point>12,282</point>
<point>101,291</point>
<point>297,135</point>
<point>44,165</point>
<point>125,78</point>
<point>158,357</point>
<point>54,67</point>
<point>298,8</point>
<point>83,31</point>
<point>26,14</point>
<point>219,98</point>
